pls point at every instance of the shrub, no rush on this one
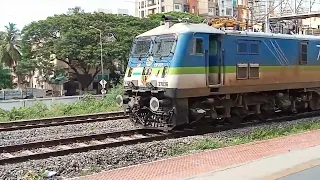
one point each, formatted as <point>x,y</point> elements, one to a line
<point>86,105</point>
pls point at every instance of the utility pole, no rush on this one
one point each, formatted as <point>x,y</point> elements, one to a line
<point>103,81</point>
<point>267,17</point>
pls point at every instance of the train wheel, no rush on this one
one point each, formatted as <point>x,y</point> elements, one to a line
<point>263,116</point>
<point>314,102</point>
<point>234,120</point>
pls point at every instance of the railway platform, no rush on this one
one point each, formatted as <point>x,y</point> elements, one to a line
<point>291,157</point>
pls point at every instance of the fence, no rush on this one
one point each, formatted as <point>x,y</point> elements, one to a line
<point>10,104</point>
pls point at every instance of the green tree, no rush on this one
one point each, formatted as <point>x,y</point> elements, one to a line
<point>73,42</point>
<point>177,15</point>
<point>10,47</point>
<point>5,78</point>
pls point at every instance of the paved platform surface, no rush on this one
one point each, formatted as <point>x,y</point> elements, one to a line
<point>284,166</point>
<point>212,160</point>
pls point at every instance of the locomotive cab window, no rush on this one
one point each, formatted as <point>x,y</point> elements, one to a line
<point>197,47</point>
<point>242,71</point>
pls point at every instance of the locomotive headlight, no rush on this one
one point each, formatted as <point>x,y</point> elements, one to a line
<point>154,104</point>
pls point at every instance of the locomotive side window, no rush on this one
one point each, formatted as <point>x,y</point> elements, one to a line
<point>242,48</point>
<point>254,48</point>
<point>242,71</point>
<point>303,53</point>
<point>199,46</point>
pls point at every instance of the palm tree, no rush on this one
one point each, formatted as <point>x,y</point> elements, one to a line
<point>9,47</point>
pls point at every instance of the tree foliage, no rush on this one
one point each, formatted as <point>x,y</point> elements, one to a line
<point>5,78</point>
<point>10,47</point>
<point>75,43</point>
<point>177,15</point>
<point>10,54</point>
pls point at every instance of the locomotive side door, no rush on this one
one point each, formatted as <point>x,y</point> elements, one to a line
<point>199,55</point>
<point>205,53</point>
<point>214,62</point>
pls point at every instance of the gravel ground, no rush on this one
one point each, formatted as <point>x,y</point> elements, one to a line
<point>48,133</point>
<point>94,161</point>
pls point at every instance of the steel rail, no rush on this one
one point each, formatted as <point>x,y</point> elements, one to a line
<point>59,147</point>
<point>59,121</point>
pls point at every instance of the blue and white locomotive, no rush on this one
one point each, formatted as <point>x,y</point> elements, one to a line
<point>184,73</point>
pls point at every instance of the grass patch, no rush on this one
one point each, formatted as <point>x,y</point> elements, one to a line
<point>255,135</point>
<point>87,105</point>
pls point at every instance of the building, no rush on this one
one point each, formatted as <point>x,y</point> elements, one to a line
<point>200,7</point>
<point>109,11</point>
<point>207,8</point>
<point>123,11</point>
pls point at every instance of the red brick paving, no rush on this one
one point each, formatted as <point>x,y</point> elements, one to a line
<point>193,164</point>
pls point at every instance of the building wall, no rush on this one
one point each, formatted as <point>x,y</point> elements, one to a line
<point>194,6</point>
<point>313,22</point>
<point>242,10</point>
<point>146,7</point>
<point>225,8</point>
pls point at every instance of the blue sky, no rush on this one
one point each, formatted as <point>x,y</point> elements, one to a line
<point>22,12</point>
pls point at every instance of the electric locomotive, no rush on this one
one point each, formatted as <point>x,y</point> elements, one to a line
<point>185,73</point>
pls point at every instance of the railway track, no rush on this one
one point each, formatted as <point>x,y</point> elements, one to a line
<point>59,147</point>
<point>58,121</point>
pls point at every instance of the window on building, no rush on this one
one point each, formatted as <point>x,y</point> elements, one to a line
<point>163,9</point>
<point>142,14</point>
<point>186,8</point>
<point>162,0</point>
<point>193,9</point>
<point>210,11</point>
<point>229,11</point>
<point>177,7</point>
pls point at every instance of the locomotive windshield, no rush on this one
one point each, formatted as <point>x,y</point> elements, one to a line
<point>164,45</point>
<point>141,47</point>
<point>161,46</point>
